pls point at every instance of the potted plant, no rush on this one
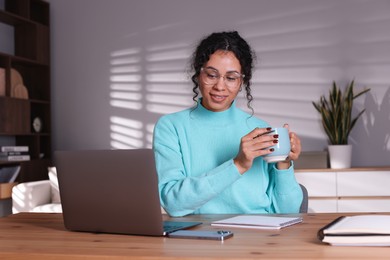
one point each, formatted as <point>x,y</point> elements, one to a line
<point>336,115</point>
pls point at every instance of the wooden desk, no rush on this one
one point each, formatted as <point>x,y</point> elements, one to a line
<point>42,236</point>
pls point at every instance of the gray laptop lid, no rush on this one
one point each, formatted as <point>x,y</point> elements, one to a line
<point>111,191</point>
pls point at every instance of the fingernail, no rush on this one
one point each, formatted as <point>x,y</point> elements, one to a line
<point>269,128</point>
<point>275,141</point>
<point>276,136</point>
<point>272,149</point>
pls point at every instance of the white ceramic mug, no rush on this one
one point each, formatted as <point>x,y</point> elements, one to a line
<point>282,148</point>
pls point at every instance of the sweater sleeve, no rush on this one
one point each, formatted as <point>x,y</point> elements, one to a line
<point>180,193</point>
<point>284,191</point>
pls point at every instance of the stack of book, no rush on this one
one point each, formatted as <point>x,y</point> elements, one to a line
<point>14,153</point>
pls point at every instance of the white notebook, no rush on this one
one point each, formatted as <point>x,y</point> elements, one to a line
<point>258,222</point>
<point>359,230</point>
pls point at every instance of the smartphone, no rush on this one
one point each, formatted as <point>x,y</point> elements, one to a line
<point>202,234</point>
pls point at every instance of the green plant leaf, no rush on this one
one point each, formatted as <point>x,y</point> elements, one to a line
<point>336,112</point>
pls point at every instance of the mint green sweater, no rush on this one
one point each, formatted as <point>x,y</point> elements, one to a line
<point>194,151</point>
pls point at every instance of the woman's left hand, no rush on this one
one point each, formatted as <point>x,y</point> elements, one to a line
<point>296,148</point>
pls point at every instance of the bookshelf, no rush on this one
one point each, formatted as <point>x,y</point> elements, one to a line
<point>29,62</point>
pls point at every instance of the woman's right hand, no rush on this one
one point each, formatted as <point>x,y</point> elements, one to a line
<point>256,143</point>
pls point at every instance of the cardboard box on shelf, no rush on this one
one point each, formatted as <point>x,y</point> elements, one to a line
<point>8,175</point>
<point>6,189</point>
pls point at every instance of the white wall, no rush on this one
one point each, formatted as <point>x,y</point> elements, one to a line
<point>118,65</point>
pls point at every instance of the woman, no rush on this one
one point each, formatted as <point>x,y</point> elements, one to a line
<point>209,157</point>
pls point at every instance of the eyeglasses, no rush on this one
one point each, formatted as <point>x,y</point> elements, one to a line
<point>210,76</point>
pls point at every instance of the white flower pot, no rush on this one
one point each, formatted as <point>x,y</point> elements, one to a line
<point>340,156</point>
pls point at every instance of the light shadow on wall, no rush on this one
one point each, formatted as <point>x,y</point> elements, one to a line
<point>295,64</point>
<point>145,83</point>
<point>376,133</point>
<point>126,95</point>
<point>166,83</point>
<point>161,84</point>
<point>300,52</point>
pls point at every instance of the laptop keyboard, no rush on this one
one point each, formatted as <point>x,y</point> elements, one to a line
<point>171,225</point>
<point>175,225</point>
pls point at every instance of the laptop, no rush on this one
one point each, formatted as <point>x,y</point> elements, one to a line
<point>112,191</point>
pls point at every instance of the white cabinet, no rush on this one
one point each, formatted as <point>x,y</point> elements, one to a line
<point>321,187</point>
<point>363,183</point>
<point>319,184</point>
<point>347,190</point>
<point>364,205</point>
<point>322,205</point>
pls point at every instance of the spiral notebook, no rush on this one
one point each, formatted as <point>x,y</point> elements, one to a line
<point>258,222</point>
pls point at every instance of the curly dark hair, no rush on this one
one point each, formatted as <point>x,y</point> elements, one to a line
<point>227,41</point>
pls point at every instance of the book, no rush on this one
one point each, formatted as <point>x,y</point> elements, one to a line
<point>15,158</point>
<point>359,230</point>
<point>2,154</point>
<point>18,148</point>
<point>258,222</point>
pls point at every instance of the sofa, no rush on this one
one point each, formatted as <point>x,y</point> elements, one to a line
<point>37,196</point>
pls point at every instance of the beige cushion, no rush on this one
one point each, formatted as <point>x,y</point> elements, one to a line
<point>48,208</point>
<point>55,191</point>
<point>28,195</point>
